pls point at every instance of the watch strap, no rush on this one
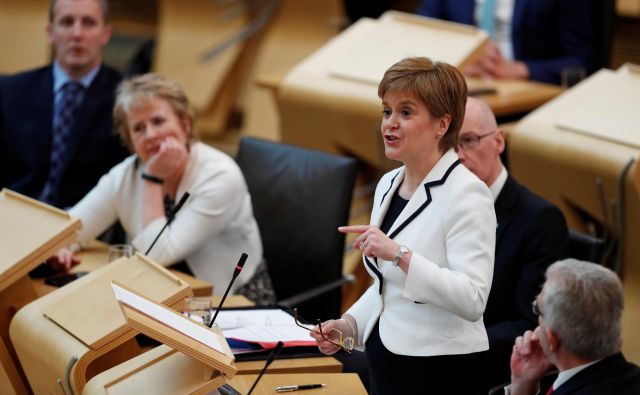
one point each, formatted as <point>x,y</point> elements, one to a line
<point>152,178</point>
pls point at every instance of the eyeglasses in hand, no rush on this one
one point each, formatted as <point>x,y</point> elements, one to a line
<point>471,141</point>
<point>334,336</point>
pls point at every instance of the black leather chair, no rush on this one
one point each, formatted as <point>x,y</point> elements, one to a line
<point>586,247</point>
<point>299,199</point>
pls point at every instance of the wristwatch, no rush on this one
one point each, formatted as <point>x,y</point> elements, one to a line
<point>401,251</point>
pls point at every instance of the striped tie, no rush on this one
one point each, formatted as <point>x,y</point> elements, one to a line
<point>64,118</point>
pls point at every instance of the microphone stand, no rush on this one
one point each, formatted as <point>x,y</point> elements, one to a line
<point>236,272</point>
<point>170,219</point>
<point>272,356</point>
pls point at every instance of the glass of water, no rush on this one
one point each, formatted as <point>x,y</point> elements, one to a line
<point>199,309</point>
<point>118,251</point>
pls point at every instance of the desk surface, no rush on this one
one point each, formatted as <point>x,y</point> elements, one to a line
<point>343,383</point>
<point>96,255</point>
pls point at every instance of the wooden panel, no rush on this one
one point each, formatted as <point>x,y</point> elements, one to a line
<point>31,231</point>
<point>23,38</point>
<point>357,50</point>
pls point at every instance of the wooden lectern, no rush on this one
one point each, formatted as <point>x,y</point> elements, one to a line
<point>30,233</point>
<point>72,334</point>
<point>198,368</point>
<point>581,151</point>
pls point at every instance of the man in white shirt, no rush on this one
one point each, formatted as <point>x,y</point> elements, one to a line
<point>579,311</point>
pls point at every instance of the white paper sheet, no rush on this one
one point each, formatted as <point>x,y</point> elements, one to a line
<point>263,326</point>
<point>229,319</point>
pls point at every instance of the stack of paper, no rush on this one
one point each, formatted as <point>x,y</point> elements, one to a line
<point>255,329</point>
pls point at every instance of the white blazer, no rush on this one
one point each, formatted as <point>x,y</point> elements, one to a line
<point>436,308</point>
<point>215,226</point>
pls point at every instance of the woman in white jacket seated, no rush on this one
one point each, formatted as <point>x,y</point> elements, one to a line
<point>429,246</point>
<point>216,224</point>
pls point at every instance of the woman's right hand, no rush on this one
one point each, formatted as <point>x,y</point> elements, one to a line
<point>327,347</point>
<point>169,158</point>
<point>63,260</point>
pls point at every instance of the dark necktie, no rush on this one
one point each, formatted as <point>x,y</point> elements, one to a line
<point>64,118</point>
<point>550,391</point>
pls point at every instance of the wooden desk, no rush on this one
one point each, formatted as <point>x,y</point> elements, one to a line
<point>582,172</point>
<point>337,383</point>
<point>96,256</point>
<point>322,110</point>
<point>165,371</point>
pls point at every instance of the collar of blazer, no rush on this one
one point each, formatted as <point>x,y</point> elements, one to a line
<point>418,202</point>
<point>422,196</point>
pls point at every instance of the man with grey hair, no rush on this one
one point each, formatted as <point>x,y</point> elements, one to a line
<point>56,129</point>
<point>579,311</point>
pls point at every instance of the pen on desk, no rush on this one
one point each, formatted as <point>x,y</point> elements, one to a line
<point>289,388</point>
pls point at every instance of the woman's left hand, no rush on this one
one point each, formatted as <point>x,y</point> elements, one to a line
<point>372,241</point>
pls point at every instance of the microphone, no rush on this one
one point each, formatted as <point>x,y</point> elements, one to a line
<point>170,218</point>
<point>236,272</point>
<point>272,356</point>
<point>177,207</point>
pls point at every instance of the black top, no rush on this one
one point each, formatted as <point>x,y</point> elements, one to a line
<point>395,208</point>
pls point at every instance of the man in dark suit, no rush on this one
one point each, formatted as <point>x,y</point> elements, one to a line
<point>531,235</point>
<point>534,39</point>
<point>579,311</point>
<point>33,159</point>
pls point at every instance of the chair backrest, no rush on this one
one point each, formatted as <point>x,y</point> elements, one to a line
<point>299,199</point>
<point>586,247</point>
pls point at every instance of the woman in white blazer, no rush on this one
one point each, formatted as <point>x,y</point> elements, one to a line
<point>429,246</point>
<point>214,227</point>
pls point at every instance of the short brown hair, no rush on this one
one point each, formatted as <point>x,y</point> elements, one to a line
<point>138,90</point>
<point>104,5</point>
<point>440,86</point>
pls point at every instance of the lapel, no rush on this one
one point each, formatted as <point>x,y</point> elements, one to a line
<point>519,11</point>
<point>422,197</point>
<point>41,109</point>
<point>94,99</point>
<point>504,206</point>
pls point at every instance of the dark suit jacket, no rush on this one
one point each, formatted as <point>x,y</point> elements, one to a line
<point>26,112</point>
<point>611,376</point>
<point>531,235</point>
<point>548,35</point>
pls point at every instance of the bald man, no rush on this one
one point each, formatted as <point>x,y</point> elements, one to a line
<point>531,235</point>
